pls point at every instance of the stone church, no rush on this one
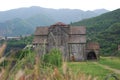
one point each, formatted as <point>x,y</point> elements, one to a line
<point>71,40</point>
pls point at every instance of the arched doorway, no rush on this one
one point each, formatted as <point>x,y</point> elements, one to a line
<point>91,55</point>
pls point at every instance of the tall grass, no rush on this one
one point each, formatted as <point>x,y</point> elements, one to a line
<point>54,57</point>
<point>31,67</point>
<point>2,49</point>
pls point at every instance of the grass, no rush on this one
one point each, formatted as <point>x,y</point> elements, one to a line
<point>31,67</point>
<point>112,62</point>
<point>2,49</point>
<point>89,68</point>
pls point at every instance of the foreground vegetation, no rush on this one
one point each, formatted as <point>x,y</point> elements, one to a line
<point>31,67</point>
<point>90,68</point>
<point>27,64</point>
<point>17,44</point>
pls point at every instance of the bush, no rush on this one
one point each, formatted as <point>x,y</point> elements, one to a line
<point>54,57</point>
<point>117,53</point>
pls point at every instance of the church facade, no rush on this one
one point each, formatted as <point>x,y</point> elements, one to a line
<point>71,40</point>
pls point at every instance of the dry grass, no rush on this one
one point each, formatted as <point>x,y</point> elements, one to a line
<point>2,49</point>
<point>55,74</point>
<point>25,69</point>
<point>38,73</point>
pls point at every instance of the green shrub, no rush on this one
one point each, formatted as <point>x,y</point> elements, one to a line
<point>4,63</point>
<point>117,53</point>
<point>54,57</point>
<point>21,54</point>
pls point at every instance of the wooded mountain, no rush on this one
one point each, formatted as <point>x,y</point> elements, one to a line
<point>23,21</point>
<point>64,15</point>
<point>104,29</point>
<point>15,27</point>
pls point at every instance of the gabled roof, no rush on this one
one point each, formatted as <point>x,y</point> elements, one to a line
<point>41,31</point>
<point>76,33</point>
<point>59,24</point>
<point>77,30</point>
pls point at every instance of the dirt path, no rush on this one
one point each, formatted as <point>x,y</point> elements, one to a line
<point>109,68</point>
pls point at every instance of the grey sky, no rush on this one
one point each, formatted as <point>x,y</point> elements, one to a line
<point>56,4</point>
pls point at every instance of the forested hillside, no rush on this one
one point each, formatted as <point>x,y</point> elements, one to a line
<point>23,21</point>
<point>15,27</point>
<point>104,29</point>
<point>64,15</point>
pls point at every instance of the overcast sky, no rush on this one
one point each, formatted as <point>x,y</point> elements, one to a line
<point>57,4</point>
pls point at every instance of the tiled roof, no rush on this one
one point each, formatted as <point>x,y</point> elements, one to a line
<point>41,31</point>
<point>59,24</point>
<point>77,30</point>
<point>76,33</point>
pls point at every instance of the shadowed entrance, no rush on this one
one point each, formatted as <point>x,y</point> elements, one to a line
<point>91,56</point>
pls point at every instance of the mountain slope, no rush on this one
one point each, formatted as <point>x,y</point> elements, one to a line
<point>64,15</point>
<point>100,11</point>
<point>104,29</point>
<point>15,27</point>
<point>22,13</point>
<point>23,21</point>
<point>100,23</point>
<point>40,20</point>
